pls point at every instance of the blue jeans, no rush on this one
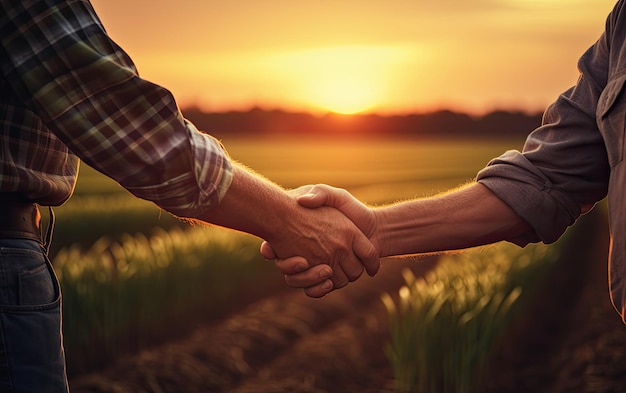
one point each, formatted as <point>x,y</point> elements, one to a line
<point>31,347</point>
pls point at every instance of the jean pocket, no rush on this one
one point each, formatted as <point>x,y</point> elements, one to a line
<point>28,280</point>
<point>36,286</point>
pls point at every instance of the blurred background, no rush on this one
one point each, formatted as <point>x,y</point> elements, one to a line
<point>388,99</point>
<point>351,56</point>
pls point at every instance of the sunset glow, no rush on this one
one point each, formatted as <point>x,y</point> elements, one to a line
<point>350,56</point>
<point>344,94</point>
<point>342,79</point>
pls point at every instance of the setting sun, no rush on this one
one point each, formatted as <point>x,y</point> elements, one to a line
<point>342,79</point>
<point>346,80</point>
<point>344,94</point>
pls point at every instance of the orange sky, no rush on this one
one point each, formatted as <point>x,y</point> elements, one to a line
<point>386,56</point>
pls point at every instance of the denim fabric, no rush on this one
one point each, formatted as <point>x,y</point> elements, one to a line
<point>31,349</point>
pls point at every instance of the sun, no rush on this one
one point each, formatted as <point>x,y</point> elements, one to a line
<point>341,79</point>
<point>344,94</point>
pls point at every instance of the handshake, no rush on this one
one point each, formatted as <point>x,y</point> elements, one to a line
<point>321,237</point>
<point>337,237</point>
<point>349,242</point>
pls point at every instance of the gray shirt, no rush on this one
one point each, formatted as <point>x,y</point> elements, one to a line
<point>576,157</point>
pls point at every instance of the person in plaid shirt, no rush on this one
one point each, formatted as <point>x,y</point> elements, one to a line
<point>68,93</point>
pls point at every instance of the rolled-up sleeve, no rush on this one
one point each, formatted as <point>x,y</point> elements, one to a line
<point>563,169</point>
<point>62,65</point>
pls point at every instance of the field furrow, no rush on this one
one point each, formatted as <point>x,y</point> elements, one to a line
<point>280,334</point>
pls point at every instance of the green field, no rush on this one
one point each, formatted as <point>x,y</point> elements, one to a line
<point>375,170</point>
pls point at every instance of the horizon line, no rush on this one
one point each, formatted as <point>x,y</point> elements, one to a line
<point>314,113</point>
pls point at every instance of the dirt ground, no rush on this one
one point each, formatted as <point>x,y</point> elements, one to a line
<point>570,340</point>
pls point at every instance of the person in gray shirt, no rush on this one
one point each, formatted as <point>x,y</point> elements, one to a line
<point>568,164</point>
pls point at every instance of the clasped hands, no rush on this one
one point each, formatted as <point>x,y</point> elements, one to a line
<point>320,277</point>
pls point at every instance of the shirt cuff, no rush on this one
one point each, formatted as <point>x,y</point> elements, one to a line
<point>212,168</point>
<point>513,179</point>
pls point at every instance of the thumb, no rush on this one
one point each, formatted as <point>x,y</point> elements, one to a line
<point>367,254</point>
<point>316,196</point>
<point>267,251</point>
<point>325,195</point>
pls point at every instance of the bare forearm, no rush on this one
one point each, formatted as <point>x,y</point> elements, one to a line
<point>468,217</point>
<point>252,205</point>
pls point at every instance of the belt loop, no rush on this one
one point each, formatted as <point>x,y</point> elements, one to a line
<point>48,238</point>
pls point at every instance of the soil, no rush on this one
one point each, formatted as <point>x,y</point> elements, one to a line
<point>569,340</point>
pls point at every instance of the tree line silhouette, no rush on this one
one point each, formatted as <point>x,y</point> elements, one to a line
<point>443,123</point>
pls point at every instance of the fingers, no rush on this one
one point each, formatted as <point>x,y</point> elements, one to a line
<point>295,265</point>
<point>352,268</point>
<point>315,280</point>
<point>316,275</point>
<point>367,254</point>
<point>325,195</point>
<point>320,279</point>
<point>299,274</point>
<point>320,290</point>
<point>339,278</point>
<point>267,251</point>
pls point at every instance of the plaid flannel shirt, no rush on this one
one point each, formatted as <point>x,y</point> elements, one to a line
<point>68,92</point>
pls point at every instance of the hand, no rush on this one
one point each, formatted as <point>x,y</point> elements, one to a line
<point>325,195</point>
<point>313,197</point>
<point>322,236</point>
<point>326,236</point>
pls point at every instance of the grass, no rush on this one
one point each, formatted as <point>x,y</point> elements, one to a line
<point>445,326</point>
<point>116,294</point>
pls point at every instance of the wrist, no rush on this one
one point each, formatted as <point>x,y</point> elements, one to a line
<point>255,206</point>
<point>377,235</point>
